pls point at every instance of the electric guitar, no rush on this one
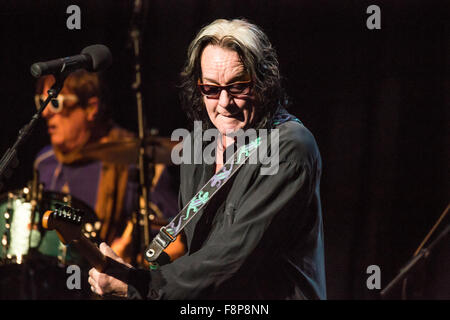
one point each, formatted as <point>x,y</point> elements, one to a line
<point>68,221</point>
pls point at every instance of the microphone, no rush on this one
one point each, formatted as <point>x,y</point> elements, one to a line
<point>93,58</point>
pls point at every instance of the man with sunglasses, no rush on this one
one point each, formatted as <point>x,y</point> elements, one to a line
<point>260,236</point>
<point>88,160</point>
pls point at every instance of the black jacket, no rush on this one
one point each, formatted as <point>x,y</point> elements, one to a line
<point>260,237</point>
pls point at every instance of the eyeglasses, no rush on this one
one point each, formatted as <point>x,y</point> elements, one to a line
<point>236,89</point>
<point>56,104</point>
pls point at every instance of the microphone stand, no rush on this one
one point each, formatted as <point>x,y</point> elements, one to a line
<point>420,254</point>
<point>9,160</point>
<point>146,163</point>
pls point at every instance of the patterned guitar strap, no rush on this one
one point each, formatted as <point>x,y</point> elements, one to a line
<point>168,233</point>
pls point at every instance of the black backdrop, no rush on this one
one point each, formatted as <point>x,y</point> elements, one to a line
<point>377,102</point>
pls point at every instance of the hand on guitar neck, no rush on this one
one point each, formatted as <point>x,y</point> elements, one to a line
<point>113,280</point>
<point>110,272</point>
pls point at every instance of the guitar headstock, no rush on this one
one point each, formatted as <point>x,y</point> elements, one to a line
<point>67,221</point>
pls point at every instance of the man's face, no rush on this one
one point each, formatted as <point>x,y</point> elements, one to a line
<point>70,128</point>
<point>223,67</point>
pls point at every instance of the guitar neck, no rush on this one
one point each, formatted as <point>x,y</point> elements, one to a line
<point>92,253</point>
<point>66,221</point>
<point>99,261</point>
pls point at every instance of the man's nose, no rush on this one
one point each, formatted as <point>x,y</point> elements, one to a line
<point>47,113</point>
<point>224,98</point>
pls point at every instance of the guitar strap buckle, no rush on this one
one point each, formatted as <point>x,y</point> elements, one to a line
<point>159,243</point>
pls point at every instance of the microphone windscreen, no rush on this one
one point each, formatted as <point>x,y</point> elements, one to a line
<point>100,55</point>
<point>36,70</point>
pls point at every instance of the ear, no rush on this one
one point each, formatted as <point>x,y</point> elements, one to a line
<point>92,108</point>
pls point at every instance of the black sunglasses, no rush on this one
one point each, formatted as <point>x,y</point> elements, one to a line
<point>236,89</point>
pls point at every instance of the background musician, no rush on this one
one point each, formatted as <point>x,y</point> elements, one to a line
<point>92,159</point>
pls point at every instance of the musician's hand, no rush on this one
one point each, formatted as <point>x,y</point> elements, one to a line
<point>108,283</point>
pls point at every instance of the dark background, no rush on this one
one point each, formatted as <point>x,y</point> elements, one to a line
<point>377,102</point>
